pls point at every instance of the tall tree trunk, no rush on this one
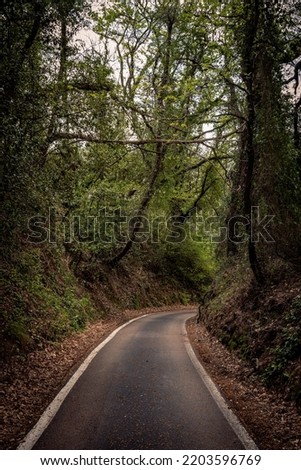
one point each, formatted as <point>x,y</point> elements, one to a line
<point>297,140</point>
<point>60,103</point>
<point>252,18</point>
<point>235,205</point>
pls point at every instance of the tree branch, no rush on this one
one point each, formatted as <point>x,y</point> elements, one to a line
<point>87,86</point>
<point>205,187</point>
<point>203,162</point>
<point>97,140</point>
<point>295,76</point>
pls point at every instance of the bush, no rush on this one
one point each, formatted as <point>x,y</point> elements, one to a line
<point>190,263</point>
<point>42,301</point>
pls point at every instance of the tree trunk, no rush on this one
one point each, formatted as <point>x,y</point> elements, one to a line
<point>134,230</point>
<point>160,146</point>
<point>252,15</point>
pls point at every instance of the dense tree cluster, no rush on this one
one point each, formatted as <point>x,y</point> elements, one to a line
<point>177,122</point>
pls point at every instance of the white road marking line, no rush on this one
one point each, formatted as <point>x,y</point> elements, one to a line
<point>232,419</point>
<point>31,438</point>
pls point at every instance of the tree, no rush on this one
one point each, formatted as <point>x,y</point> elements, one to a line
<point>267,157</point>
<point>33,50</point>
<point>160,52</point>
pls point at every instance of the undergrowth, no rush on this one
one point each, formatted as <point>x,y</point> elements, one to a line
<point>262,325</point>
<point>42,300</point>
<point>46,298</point>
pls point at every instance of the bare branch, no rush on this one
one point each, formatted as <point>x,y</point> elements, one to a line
<point>295,76</point>
<point>87,86</point>
<point>233,84</point>
<point>203,162</point>
<point>205,187</point>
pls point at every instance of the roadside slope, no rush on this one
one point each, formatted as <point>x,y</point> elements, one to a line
<point>273,421</point>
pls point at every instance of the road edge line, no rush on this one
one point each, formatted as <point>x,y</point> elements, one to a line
<point>230,416</point>
<point>47,416</point>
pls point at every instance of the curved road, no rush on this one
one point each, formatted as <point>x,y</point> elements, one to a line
<point>141,391</point>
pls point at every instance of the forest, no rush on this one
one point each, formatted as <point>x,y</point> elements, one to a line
<point>151,156</point>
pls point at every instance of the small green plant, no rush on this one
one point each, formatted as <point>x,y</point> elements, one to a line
<point>18,332</point>
<point>289,347</point>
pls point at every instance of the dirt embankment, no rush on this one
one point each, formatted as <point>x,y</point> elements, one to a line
<point>255,333</point>
<point>273,421</point>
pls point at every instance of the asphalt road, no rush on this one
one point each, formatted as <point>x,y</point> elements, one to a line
<point>141,391</point>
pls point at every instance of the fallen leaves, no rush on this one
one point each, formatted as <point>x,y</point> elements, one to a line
<point>272,421</point>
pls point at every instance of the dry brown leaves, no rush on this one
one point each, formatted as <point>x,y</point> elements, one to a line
<point>272,422</point>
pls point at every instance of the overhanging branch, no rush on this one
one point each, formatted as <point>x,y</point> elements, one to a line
<point>203,162</point>
<point>98,140</point>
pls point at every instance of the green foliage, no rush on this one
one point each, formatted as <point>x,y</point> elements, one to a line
<point>287,349</point>
<point>43,300</point>
<point>178,88</point>
<point>190,263</point>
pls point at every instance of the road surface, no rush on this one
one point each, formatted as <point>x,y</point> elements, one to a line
<point>141,391</point>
